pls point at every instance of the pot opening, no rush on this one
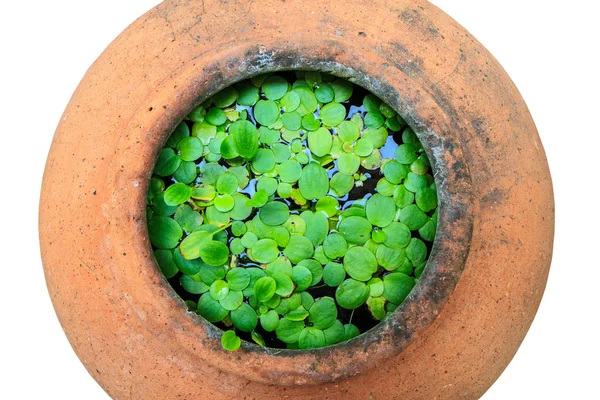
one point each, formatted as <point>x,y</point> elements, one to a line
<point>293,209</point>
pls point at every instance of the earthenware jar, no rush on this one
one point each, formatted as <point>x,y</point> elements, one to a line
<point>465,319</point>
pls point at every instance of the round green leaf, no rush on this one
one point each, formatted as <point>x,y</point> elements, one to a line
<point>269,321</point>
<point>230,341</point>
<point>177,194</point>
<point>397,235</point>
<point>320,141</point>
<point>329,205</point>
<point>335,246</point>
<point>214,253</point>
<point>348,163</point>
<point>311,338</point>
<point>363,148</point>
<point>381,210</point>
<point>233,300</point>
<point>348,131</point>
<point>193,286</point>
<point>210,308</point>
<point>314,182</point>
<point>289,331</point>
<point>405,153</point>
<point>374,119</point>
<point>167,162</point>
<point>360,263</point>
<point>224,203</point>
<point>352,294</point>
<point>264,251</point>
<point>274,87</point>
<point>416,251</point>
<point>375,287</point>
<point>395,172</point>
<point>299,248</point>
<point>415,182</point>
<point>389,258</point>
<point>403,197</point>
<point>334,334</point>
<point>426,199</point>
<point>428,231</point>
<point>225,97</point>
<point>227,183</point>
<point>290,101</point>
<point>284,284</point>
<point>266,112</point>
<point>350,331</point>
<point>413,217</point>
<point>341,184</point>
<point>342,90</point>
<point>164,232</point>
<point>299,314</point>
<point>215,116</point>
<point>356,230</point>
<point>334,274</point>
<point>397,286</point>
<point>248,94</point>
<point>190,148</point>
<point>219,289</point>
<point>315,269</point>
<point>289,171</point>
<point>263,161</point>
<point>238,279</point>
<point>332,114</point>
<point>244,318</point>
<point>323,313</point>
<point>264,288</point>
<point>274,213</point>
<point>376,307</point>
<point>179,133</point>
<point>302,277</point>
<point>325,93</point>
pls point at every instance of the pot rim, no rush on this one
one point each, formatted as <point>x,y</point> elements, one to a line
<point>201,77</point>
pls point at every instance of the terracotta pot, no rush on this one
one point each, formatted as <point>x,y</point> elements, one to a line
<point>461,325</point>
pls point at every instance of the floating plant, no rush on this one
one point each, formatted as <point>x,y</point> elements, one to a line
<point>293,210</point>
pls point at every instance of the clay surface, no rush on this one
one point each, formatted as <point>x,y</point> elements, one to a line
<point>455,334</point>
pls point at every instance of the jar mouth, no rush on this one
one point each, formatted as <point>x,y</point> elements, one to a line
<point>431,121</point>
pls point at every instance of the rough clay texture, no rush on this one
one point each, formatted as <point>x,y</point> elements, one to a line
<point>129,329</point>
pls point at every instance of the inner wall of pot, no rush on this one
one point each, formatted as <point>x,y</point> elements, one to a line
<point>368,188</point>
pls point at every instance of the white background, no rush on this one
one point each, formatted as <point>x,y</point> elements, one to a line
<point>550,49</point>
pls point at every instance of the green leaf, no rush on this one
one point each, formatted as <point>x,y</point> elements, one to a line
<point>245,138</point>
<point>314,182</point>
<point>317,226</point>
<point>325,93</point>
<point>350,331</point>
<point>416,251</point>
<point>244,318</point>
<point>274,87</point>
<point>323,313</point>
<point>381,210</point>
<point>193,286</point>
<point>274,213</point>
<point>164,232</point>
<point>332,114</point>
<point>403,197</point>
<point>289,331</point>
<point>341,184</point>
<point>348,163</point>
<point>291,120</point>
<point>335,246</point>
<point>289,171</point>
<point>248,94</point>
<point>405,153</point>
<point>329,205</point>
<point>186,173</point>
<point>269,321</point>
<point>415,182</point>
<point>299,314</point>
<point>377,136</point>
<point>177,194</point>
<point>264,251</point>
<point>302,277</point>
<point>263,161</point>
<point>360,263</point>
<point>348,131</point>
<point>320,141</point>
<point>299,248</point>
<point>413,217</point>
<point>311,338</point>
<point>190,148</point>
<point>356,230</point>
<point>190,246</point>
<point>219,289</point>
<point>290,101</point>
<point>375,287</point>
<point>224,203</point>
<point>238,278</point>
<point>187,218</point>
<point>232,301</point>
<point>227,183</point>
<point>342,89</point>
<point>165,261</point>
<point>315,269</point>
<point>397,235</point>
<point>230,341</point>
<point>376,307</point>
<point>334,274</point>
<point>390,258</point>
<point>266,112</point>
<point>397,286</point>
<point>363,148</point>
<point>225,97</point>
<point>395,172</point>
<point>284,284</point>
<point>264,288</point>
<point>374,119</point>
<point>210,309</point>
<point>334,334</point>
<point>428,231</point>
<point>352,294</point>
<point>167,162</point>
<point>215,116</point>
<point>426,199</point>
<point>214,253</point>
